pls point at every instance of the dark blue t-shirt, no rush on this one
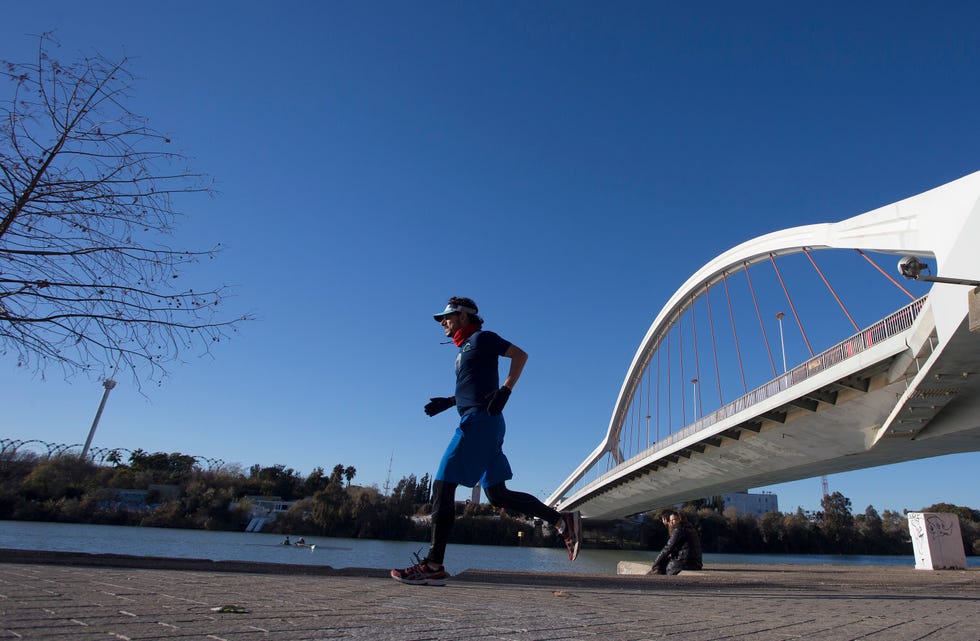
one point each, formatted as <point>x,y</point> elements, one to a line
<point>476,370</point>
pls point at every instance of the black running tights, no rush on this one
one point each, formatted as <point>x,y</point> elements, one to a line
<point>444,511</point>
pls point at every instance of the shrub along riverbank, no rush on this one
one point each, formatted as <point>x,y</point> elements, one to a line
<point>171,490</point>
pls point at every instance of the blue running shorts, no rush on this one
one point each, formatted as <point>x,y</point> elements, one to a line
<point>475,454</point>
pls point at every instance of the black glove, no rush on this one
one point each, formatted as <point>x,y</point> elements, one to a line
<point>439,404</point>
<point>496,401</point>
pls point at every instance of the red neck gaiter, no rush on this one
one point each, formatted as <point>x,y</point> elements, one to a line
<point>463,333</point>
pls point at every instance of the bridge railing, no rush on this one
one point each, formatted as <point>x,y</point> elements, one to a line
<point>884,329</point>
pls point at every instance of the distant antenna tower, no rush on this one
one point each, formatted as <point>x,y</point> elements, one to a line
<point>823,483</point>
<point>388,479</point>
<point>108,384</point>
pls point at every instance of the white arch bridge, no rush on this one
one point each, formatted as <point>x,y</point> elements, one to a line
<point>901,384</point>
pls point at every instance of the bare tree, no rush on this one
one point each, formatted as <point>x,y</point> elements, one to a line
<point>87,193</point>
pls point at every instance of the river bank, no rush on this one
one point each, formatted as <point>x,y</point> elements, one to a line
<point>363,553</point>
<point>787,576</point>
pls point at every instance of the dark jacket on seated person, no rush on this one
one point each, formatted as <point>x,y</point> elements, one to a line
<point>682,551</point>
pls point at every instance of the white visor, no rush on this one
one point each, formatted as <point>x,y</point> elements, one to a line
<point>452,309</point>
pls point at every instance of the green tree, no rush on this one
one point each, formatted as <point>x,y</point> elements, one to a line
<point>349,473</point>
<point>367,515</point>
<point>278,480</point>
<point>772,532</point>
<point>799,533</point>
<point>837,522</point>
<point>423,491</point>
<point>164,468</point>
<point>332,511</point>
<point>206,507</point>
<point>871,533</point>
<point>716,531</point>
<point>745,533</point>
<point>405,494</point>
<point>59,477</point>
<point>316,481</point>
<point>895,529</point>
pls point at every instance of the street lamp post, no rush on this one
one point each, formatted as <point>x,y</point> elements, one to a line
<point>782,343</point>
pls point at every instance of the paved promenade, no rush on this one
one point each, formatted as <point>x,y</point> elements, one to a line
<point>83,597</point>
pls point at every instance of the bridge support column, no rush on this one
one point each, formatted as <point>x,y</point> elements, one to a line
<point>937,541</point>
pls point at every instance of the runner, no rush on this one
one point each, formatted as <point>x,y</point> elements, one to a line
<point>475,453</point>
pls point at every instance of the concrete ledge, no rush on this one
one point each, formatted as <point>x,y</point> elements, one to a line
<point>169,563</point>
<point>632,568</point>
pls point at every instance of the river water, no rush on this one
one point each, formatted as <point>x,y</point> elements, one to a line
<point>361,553</point>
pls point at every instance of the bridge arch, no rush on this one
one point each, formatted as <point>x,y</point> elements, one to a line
<point>941,225</point>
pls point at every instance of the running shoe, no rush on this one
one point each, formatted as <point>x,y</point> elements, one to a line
<point>570,529</point>
<point>421,574</point>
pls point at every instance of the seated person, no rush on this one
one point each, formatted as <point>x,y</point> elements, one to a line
<point>683,548</point>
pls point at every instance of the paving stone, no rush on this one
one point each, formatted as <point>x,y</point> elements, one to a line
<point>82,597</point>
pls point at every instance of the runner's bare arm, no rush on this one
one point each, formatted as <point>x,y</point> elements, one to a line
<point>517,358</point>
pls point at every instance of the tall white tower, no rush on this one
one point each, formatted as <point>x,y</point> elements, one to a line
<point>108,384</point>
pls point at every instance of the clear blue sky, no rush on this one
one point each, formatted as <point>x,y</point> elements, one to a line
<point>566,164</point>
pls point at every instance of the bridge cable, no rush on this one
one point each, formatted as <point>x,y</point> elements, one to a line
<point>762,325</point>
<point>658,396</point>
<point>640,413</point>
<point>696,406</point>
<point>639,420</point>
<point>680,349</point>
<point>626,435</point>
<point>628,443</point>
<point>772,258</point>
<point>670,410</point>
<point>738,349</point>
<point>836,297</point>
<point>885,274</point>
<point>649,381</point>
<point>714,345</point>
